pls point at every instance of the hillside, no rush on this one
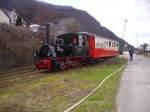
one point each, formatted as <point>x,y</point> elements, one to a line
<point>39,12</point>
<point>17,44</point>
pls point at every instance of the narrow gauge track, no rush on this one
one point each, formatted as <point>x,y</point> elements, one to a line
<point>16,71</point>
<point>13,78</point>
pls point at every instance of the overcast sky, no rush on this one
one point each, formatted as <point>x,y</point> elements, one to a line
<point>113,13</point>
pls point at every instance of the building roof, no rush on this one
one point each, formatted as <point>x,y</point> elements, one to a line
<point>5,12</point>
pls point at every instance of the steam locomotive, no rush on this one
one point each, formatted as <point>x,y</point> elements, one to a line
<point>74,49</point>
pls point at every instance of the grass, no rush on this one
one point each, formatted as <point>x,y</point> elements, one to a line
<point>104,98</point>
<point>58,91</point>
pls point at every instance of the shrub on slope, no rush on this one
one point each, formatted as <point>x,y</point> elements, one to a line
<point>16,46</point>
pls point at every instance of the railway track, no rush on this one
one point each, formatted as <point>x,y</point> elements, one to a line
<point>8,79</point>
<point>15,71</point>
<point>15,77</point>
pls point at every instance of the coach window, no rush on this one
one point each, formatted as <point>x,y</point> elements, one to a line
<point>100,43</point>
<point>80,40</point>
<point>75,41</point>
<point>104,44</point>
<point>86,41</point>
<point>96,42</point>
<point>117,45</point>
<point>109,43</point>
<point>112,44</point>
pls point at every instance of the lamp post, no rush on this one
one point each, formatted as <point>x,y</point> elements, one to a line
<point>124,28</point>
<point>47,27</point>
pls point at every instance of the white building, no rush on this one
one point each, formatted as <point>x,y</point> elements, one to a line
<point>4,18</point>
<point>34,27</point>
<point>8,17</point>
<point>13,17</point>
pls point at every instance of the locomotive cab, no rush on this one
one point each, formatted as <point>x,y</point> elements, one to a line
<point>75,45</point>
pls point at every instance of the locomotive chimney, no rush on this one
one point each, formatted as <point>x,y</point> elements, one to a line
<point>47,33</point>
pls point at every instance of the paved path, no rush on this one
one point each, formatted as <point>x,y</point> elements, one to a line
<point>134,92</point>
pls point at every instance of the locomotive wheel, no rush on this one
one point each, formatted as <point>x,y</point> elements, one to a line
<point>62,66</point>
<point>55,66</point>
<point>91,61</point>
<point>49,69</point>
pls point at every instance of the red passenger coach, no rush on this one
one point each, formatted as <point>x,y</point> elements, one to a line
<point>75,49</point>
<point>101,47</point>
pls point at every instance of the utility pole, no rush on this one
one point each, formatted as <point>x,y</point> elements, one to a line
<point>137,40</point>
<point>47,33</point>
